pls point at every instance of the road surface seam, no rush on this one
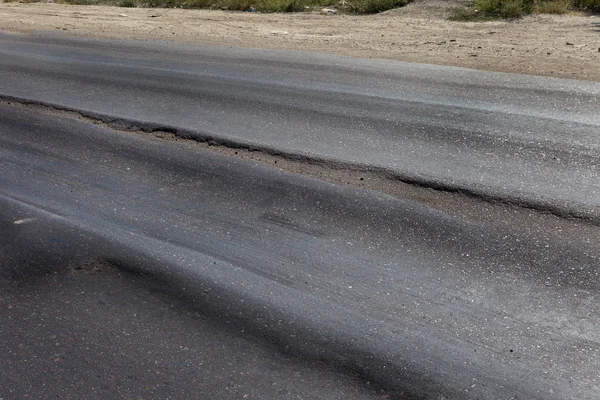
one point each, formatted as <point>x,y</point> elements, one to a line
<point>315,166</point>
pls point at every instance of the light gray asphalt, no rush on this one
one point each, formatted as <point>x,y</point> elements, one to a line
<point>525,139</point>
<point>294,281</point>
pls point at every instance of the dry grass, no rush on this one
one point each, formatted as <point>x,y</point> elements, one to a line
<point>492,9</point>
<point>343,6</point>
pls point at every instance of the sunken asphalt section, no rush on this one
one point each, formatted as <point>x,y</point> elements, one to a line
<point>413,301</point>
<point>133,266</point>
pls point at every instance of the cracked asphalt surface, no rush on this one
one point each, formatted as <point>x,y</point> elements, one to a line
<point>132,266</point>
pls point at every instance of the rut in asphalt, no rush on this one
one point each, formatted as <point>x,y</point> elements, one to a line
<point>442,195</point>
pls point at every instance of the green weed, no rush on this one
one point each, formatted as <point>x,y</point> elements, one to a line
<point>493,9</point>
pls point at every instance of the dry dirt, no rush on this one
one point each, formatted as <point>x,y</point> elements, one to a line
<point>561,46</point>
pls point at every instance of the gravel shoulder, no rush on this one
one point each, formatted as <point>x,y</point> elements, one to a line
<point>559,46</point>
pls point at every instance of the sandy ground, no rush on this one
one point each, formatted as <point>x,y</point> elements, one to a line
<point>561,46</point>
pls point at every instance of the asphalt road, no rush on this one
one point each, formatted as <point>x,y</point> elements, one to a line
<point>137,267</point>
<point>530,140</point>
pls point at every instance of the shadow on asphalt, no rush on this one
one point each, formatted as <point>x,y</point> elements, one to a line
<point>95,330</point>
